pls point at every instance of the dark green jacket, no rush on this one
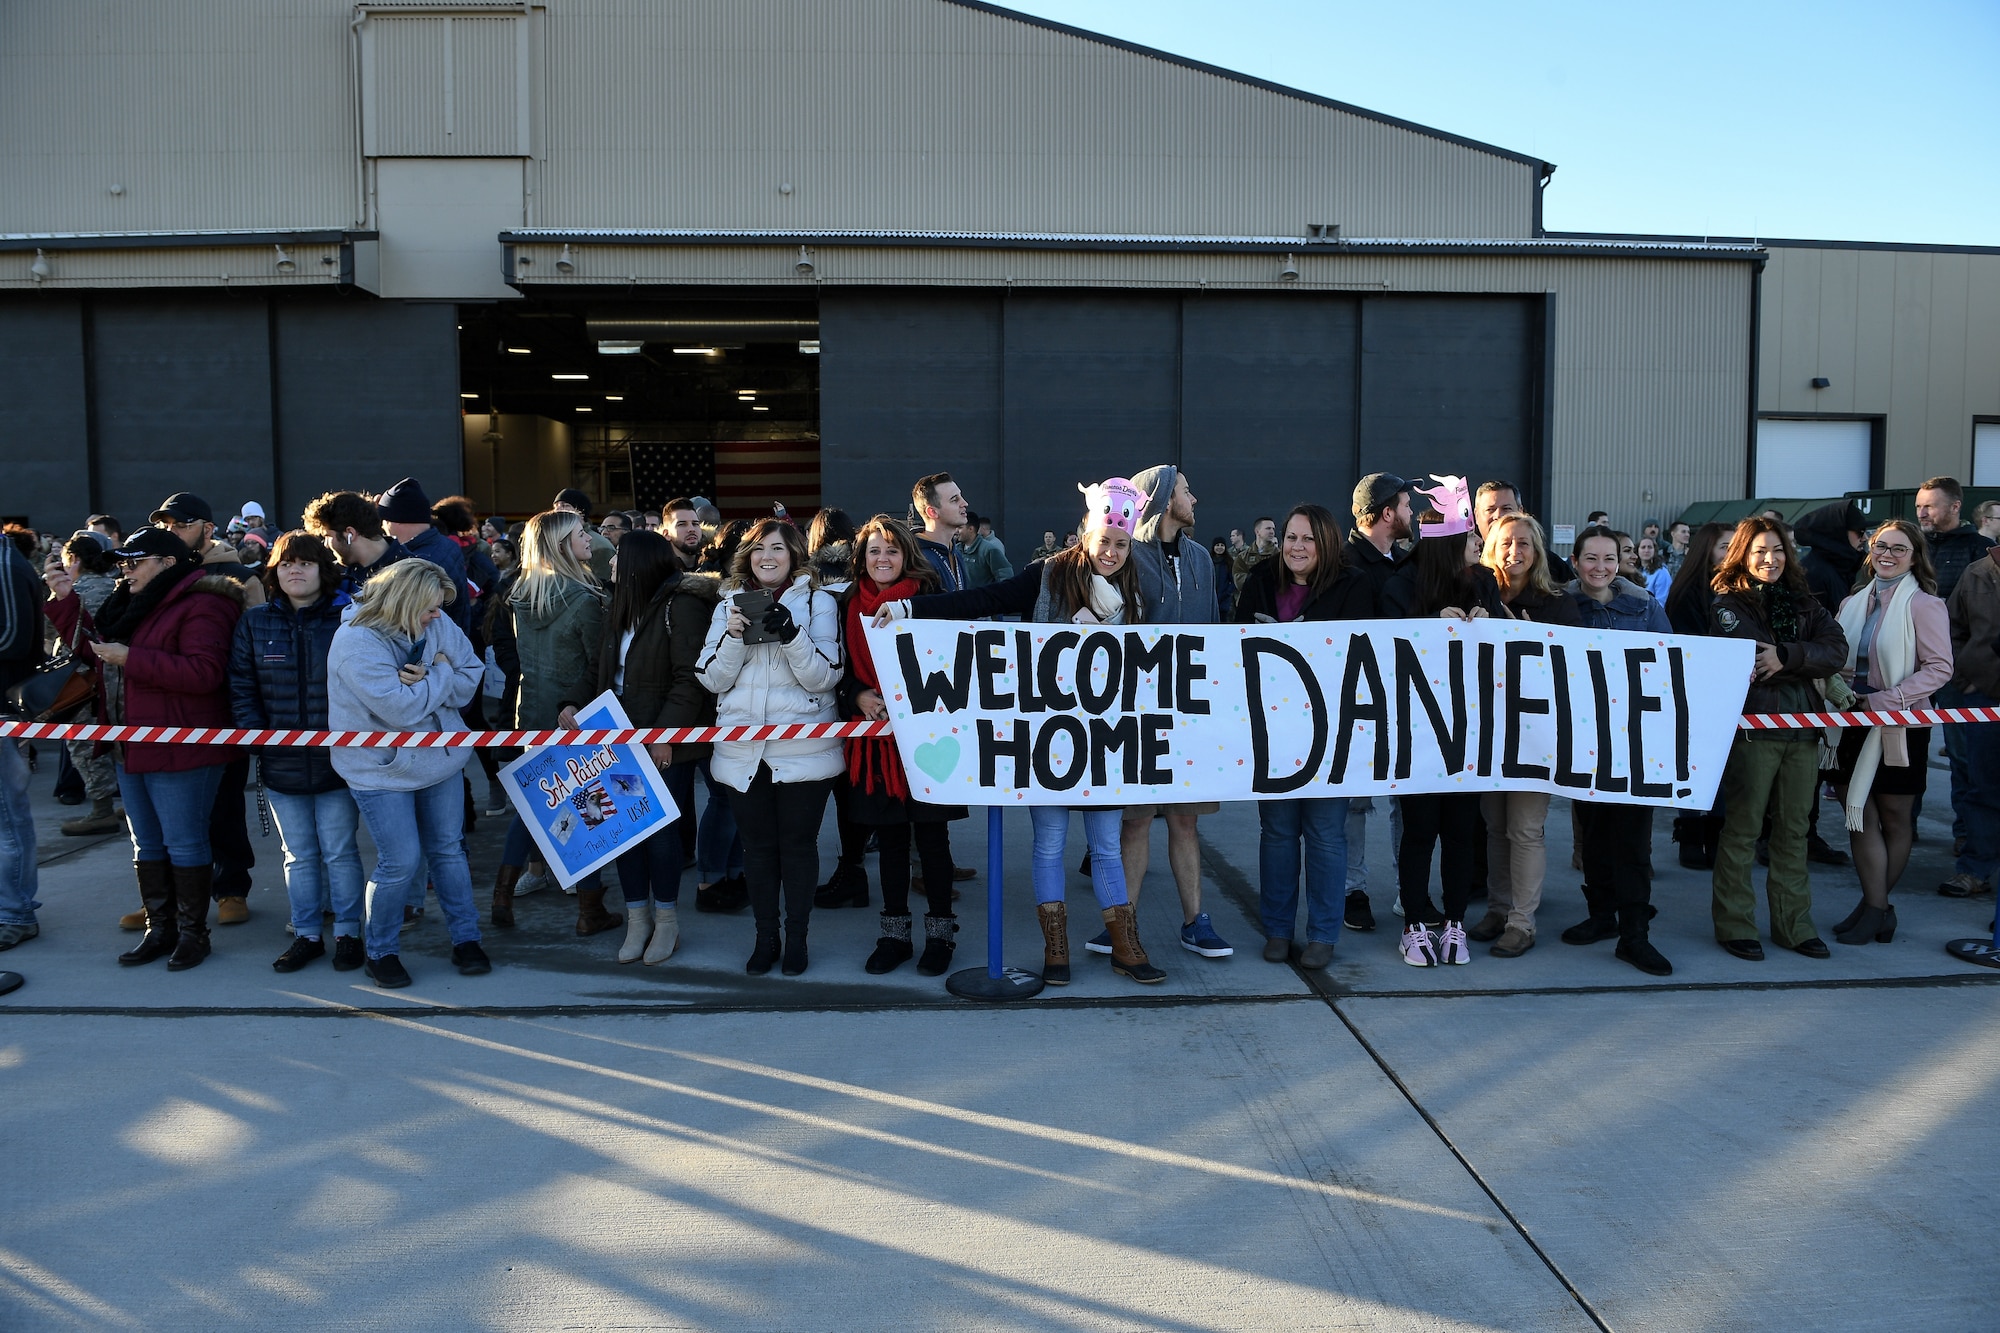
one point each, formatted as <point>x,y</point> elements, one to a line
<point>558,651</point>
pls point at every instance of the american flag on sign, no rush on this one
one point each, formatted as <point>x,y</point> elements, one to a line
<point>750,474</point>
<point>667,471</point>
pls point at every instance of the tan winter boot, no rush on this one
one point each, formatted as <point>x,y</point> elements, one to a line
<point>1055,942</point>
<point>1127,957</point>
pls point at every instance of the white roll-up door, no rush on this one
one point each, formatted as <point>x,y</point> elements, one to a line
<point>1986,453</point>
<point>1803,459</point>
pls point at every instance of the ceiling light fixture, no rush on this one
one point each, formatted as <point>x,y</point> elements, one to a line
<point>521,351</point>
<point>620,347</point>
<point>583,409</point>
<point>809,347</point>
<point>758,408</point>
<point>614,397</point>
<point>468,395</point>
<point>694,351</point>
<point>569,377</point>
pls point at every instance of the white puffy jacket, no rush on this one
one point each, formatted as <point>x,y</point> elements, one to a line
<point>776,683</point>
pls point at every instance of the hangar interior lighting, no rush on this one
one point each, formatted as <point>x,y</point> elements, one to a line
<point>521,351</point>
<point>696,351</point>
<point>620,346</point>
<point>809,346</point>
<point>569,377</point>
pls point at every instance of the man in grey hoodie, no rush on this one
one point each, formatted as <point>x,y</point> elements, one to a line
<point>1176,587</point>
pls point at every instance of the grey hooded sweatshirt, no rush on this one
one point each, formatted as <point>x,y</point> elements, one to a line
<point>1175,591</point>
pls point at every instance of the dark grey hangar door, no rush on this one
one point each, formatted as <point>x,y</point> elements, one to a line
<point>1265,399</point>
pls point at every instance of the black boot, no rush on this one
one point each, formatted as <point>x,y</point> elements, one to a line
<point>725,895</point>
<point>1847,923</point>
<point>1867,923</point>
<point>1633,945</point>
<point>795,953</point>
<point>191,890</point>
<point>846,887</point>
<point>765,956</point>
<point>156,891</point>
<point>938,945</point>
<point>893,949</point>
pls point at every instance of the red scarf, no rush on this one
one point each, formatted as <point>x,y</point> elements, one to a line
<point>873,764</point>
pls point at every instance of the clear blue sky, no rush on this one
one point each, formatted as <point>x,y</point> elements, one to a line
<point>1830,120</point>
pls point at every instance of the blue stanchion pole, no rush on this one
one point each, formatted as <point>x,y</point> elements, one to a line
<point>995,981</point>
<point>996,964</point>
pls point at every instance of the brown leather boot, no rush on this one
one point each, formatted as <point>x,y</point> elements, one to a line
<point>1055,942</point>
<point>1127,956</point>
<point>156,891</point>
<point>503,895</point>
<point>192,885</point>
<point>591,918</point>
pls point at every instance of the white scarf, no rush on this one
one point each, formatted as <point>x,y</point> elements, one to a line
<point>1891,660</point>
<point>1106,602</point>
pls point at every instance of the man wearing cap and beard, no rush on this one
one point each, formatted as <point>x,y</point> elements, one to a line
<point>1176,587</point>
<point>191,518</point>
<point>406,515</point>
<point>573,501</point>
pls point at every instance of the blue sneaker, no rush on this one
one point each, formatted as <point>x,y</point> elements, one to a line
<point>1198,936</point>
<point>1102,944</point>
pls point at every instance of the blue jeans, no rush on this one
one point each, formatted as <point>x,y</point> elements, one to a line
<point>322,863</point>
<point>18,879</point>
<point>1321,822</point>
<point>1978,799</point>
<point>718,852</point>
<point>410,829</point>
<point>168,813</point>
<point>1107,862</point>
<point>1358,810</point>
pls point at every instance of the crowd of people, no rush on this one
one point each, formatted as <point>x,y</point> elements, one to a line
<point>386,611</point>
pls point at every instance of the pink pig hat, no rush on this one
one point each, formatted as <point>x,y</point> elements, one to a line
<point>1113,503</point>
<point>1452,498</point>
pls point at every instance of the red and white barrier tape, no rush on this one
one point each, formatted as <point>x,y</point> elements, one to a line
<point>801,731</point>
<point>433,740</point>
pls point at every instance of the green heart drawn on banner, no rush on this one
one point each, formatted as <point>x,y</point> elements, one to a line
<point>939,757</point>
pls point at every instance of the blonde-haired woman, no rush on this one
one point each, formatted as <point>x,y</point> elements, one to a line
<point>400,664</point>
<point>1516,859</point>
<point>552,623</point>
<point>1898,653</point>
<point>778,789</point>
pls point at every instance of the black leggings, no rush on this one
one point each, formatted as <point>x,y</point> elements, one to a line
<point>933,840</point>
<point>853,836</point>
<point>779,822</point>
<point>1449,820</point>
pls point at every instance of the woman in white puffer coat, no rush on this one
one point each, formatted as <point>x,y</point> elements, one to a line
<point>778,789</point>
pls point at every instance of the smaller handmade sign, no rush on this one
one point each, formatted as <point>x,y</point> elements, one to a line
<point>585,804</point>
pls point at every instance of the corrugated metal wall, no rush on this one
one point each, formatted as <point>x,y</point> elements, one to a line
<point>898,113</point>
<point>209,113</point>
<point>914,113</point>
<point>1912,337</point>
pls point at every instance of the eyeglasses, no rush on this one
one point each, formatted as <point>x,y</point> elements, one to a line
<point>1883,548</point>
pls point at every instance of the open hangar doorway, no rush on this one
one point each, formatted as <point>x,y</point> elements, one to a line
<point>635,402</point>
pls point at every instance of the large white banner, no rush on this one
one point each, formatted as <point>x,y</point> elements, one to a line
<point>1036,714</point>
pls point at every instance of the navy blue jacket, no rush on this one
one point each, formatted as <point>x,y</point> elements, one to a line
<point>442,551</point>
<point>277,678</point>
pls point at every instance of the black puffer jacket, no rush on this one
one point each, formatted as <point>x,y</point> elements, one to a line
<point>1829,559</point>
<point>660,688</point>
<point>277,678</point>
<point>1952,553</point>
<point>1352,596</point>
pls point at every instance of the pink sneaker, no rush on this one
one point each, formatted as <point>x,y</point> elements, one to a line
<point>1420,946</point>
<point>1451,944</point>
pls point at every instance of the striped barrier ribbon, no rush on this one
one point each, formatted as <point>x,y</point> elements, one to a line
<point>798,731</point>
<point>433,740</point>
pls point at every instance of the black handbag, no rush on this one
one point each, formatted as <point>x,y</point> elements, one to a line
<point>60,688</point>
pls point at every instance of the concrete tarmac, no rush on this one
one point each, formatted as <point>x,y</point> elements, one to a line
<point>1549,1142</point>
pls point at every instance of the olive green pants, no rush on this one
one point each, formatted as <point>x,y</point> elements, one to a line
<point>1774,771</point>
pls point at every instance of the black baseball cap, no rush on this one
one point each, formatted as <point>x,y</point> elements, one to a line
<point>183,507</point>
<point>574,498</point>
<point>1377,491</point>
<point>154,541</point>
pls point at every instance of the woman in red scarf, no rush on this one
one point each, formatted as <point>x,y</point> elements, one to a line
<point>888,568</point>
